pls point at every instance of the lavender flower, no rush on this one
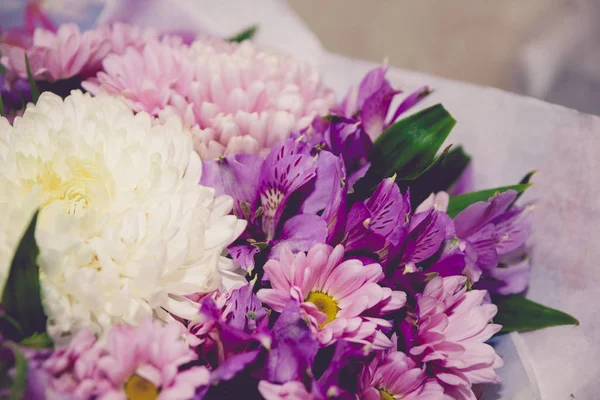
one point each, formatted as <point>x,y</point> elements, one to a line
<point>352,127</point>
<point>491,230</point>
<point>281,197</point>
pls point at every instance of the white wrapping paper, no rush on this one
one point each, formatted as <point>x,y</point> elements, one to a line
<point>508,135</point>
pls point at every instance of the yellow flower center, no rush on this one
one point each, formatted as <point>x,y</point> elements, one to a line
<point>138,388</point>
<point>326,304</point>
<point>82,184</point>
<point>383,395</point>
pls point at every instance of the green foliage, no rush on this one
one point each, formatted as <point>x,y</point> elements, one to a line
<point>516,313</point>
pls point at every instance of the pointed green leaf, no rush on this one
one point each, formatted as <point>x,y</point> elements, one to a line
<point>246,34</point>
<point>409,146</point>
<point>21,298</point>
<point>37,341</point>
<point>516,313</point>
<point>442,175</point>
<point>526,179</point>
<point>35,93</point>
<point>459,203</point>
<point>19,382</point>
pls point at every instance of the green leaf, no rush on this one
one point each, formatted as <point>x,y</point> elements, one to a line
<point>408,147</point>
<point>2,69</point>
<point>35,93</point>
<point>21,299</point>
<point>9,327</point>
<point>19,383</point>
<point>441,175</point>
<point>524,181</point>
<point>37,341</point>
<point>516,313</point>
<point>1,106</point>
<point>459,203</point>
<point>246,34</point>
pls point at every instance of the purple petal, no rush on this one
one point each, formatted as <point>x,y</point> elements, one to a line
<point>286,169</point>
<point>412,100</point>
<point>474,217</point>
<point>358,234</point>
<point>347,361</point>
<point>375,110</point>
<point>372,82</point>
<point>300,233</point>
<point>346,138</point>
<point>464,184</point>
<point>232,366</point>
<point>388,207</point>
<point>426,233</point>
<point>243,254</point>
<point>335,210</point>
<point>325,185</point>
<point>483,243</point>
<point>512,229</point>
<point>452,262</point>
<point>294,347</point>
<point>236,176</point>
<point>356,175</point>
<point>243,309</point>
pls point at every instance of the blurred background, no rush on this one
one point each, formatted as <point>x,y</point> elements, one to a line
<point>543,48</point>
<point>549,49</point>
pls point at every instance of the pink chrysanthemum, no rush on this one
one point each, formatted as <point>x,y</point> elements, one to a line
<point>341,298</point>
<point>57,55</point>
<point>68,52</point>
<point>393,375</point>
<point>452,327</point>
<point>133,362</point>
<point>235,98</point>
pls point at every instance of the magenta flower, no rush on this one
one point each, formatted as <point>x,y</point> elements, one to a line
<point>57,55</point>
<point>394,375</point>
<point>452,326</point>
<point>132,362</point>
<point>341,298</point>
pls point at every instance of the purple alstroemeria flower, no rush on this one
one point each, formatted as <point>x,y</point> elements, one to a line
<point>328,376</point>
<point>291,198</point>
<point>384,227</point>
<point>489,230</point>
<point>293,348</point>
<point>377,223</point>
<point>231,333</point>
<point>351,128</point>
<point>510,277</point>
<point>370,102</point>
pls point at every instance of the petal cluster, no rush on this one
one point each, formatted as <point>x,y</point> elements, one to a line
<point>130,362</point>
<point>234,98</point>
<point>341,298</point>
<point>125,232</point>
<point>452,327</point>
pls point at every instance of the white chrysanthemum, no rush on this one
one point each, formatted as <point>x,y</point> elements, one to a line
<point>14,218</point>
<point>124,229</point>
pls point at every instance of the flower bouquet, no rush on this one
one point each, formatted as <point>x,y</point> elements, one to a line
<point>188,216</point>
